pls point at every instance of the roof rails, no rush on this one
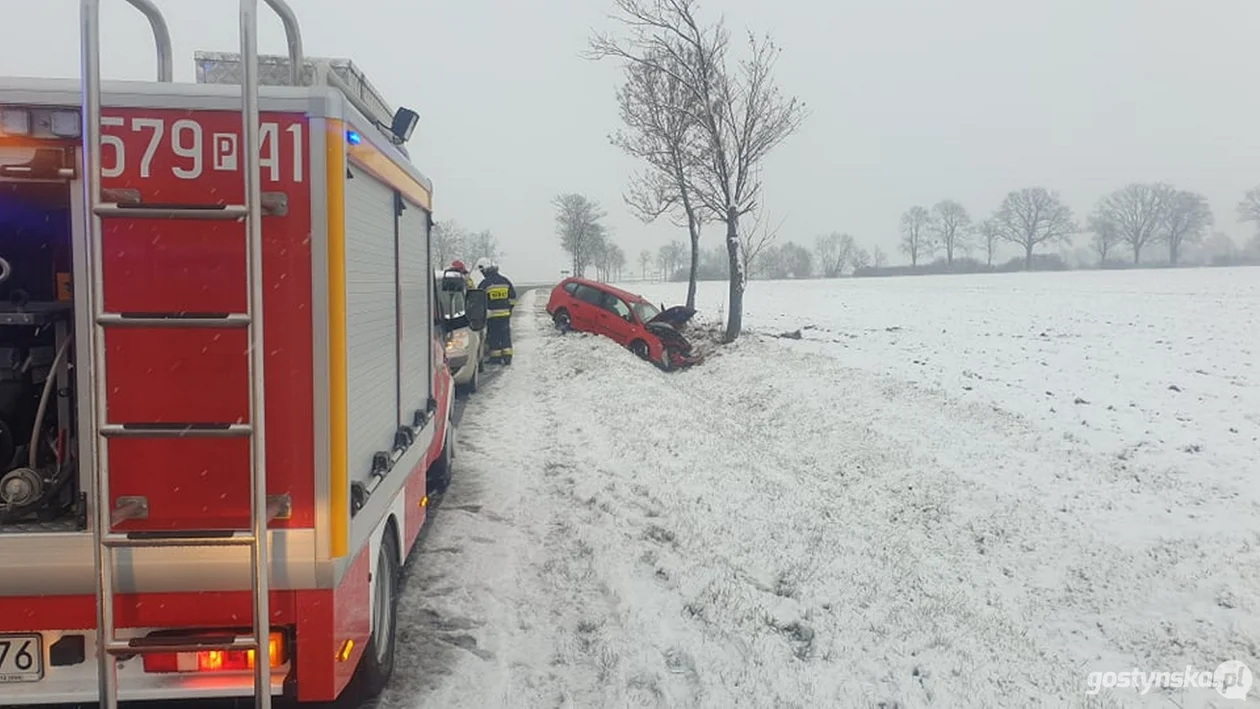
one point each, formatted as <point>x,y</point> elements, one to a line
<point>166,57</point>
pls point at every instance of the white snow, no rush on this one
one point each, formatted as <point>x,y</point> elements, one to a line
<point>906,507</point>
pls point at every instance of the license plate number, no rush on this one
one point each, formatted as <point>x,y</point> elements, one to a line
<point>21,658</point>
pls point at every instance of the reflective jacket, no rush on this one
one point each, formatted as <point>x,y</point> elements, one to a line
<point>500,294</point>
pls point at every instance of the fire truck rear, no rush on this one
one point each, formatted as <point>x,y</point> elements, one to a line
<point>223,401</point>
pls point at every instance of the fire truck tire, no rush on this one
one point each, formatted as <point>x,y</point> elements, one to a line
<point>377,664</point>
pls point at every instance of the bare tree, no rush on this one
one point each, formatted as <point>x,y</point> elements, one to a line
<point>1106,236</point>
<point>1249,207</point>
<point>671,257</point>
<point>608,259</point>
<point>914,233</point>
<point>659,113</point>
<point>990,235</point>
<point>1186,216</point>
<point>951,225</point>
<point>579,223</point>
<point>1034,216</point>
<point>795,261</point>
<point>879,259</point>
<point>645,260</point>
<point>754,241</point>
<point>1136,211</point>
<point>741,114</point>
<point>482,244</point>
<point>448,241</point>
<point>834,252</point>
<point>861,259</point>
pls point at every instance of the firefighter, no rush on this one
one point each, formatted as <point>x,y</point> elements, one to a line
<point>458,265</point>
<point>500,299</point>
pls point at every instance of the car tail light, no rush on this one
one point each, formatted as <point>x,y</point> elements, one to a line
<point>215,660</point>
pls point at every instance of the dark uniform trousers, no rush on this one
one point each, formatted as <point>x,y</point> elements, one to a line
<point>501,299</point>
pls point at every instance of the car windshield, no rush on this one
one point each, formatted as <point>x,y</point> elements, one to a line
<point>645,311</point>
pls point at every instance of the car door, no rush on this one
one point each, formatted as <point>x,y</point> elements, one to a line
<point>584,309</point>
<point>616,320</point>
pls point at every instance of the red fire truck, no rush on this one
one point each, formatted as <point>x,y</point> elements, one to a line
<point>223,395</point>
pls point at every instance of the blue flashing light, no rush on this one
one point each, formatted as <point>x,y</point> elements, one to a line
<point>353,138</point>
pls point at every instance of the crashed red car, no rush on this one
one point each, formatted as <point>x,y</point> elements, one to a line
<point>629,320</point>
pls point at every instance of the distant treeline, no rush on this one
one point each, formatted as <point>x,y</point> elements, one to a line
<point>790,261</point>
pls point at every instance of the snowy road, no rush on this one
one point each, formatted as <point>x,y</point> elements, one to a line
<point>776,529</point>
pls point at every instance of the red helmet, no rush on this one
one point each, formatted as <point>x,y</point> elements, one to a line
<point>459,266</point>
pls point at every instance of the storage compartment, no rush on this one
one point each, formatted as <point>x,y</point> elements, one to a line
<point>39,472</point>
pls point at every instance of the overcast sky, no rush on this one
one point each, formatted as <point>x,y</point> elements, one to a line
<point>911,101</point>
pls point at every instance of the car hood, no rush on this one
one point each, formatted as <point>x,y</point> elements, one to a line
<point>676,316</point>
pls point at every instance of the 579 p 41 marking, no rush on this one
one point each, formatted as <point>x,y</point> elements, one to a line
<point>185,140</point>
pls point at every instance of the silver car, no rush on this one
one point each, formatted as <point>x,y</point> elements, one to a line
<point>464,327</point>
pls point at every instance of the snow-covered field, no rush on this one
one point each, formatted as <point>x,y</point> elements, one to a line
<point>957,491</point>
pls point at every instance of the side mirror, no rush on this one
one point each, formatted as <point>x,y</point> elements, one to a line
<point>475,309</point>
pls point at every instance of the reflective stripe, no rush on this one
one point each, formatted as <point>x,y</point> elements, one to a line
<point>499,313</point>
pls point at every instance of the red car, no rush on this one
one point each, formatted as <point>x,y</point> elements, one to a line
<point>628,319</point>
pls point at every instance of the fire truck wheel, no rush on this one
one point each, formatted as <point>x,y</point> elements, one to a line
<point>378,657</point>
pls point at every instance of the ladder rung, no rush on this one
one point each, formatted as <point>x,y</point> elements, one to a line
<point>161,540</point>
<point>208,212</point>
<point>174,320</point>
<point>180,643</point>
<point>176,430</point>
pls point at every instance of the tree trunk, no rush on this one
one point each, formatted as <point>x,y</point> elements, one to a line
<point>1137,254</point>
<point>735,318</point>
<point>693,229</point>
<point>1172,251</point>
<point>1028,248</point>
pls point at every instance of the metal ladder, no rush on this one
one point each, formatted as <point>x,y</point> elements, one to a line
<point>106,516</point>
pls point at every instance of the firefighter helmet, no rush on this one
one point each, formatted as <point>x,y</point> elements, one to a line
<point>484,264</point>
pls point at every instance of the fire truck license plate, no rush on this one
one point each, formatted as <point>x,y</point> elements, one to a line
<point>21,658</point>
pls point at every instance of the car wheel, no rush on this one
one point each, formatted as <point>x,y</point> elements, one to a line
<point>377,664</point>
<point>562,320</point>
<point>640,349</point>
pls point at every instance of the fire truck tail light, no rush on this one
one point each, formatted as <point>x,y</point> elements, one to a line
<point>215,660</point>
<point>15,121</point>
<point>65,124</point>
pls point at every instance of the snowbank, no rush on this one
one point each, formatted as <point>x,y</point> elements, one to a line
<point>782,528</point>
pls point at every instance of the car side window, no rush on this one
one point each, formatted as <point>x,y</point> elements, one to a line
<point>570,288</point>
<point>588,294</point>
<point>618,306</point>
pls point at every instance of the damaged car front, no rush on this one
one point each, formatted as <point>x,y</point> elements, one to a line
<point>667,325</point>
